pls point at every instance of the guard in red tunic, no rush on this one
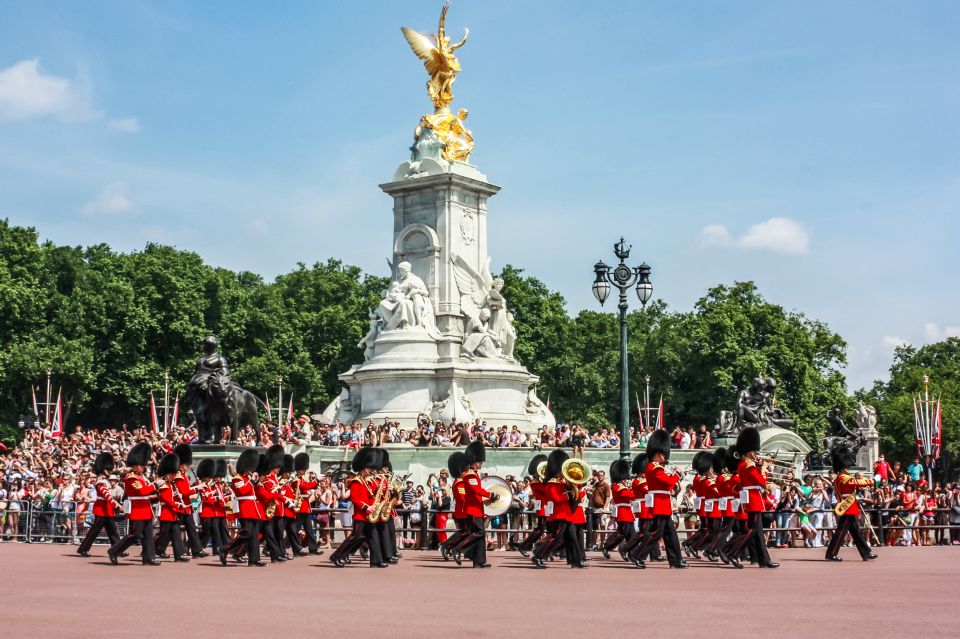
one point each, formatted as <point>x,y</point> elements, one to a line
<point>721,489</point>
<point>661,484</point>
<point>474,495</point>
<point>753,481</point>
<point>250,512</point>
<point>362,498</point>
<point>561,498</point>
<point>290,535</point>
<point>105,509</point>
<point>182,481</point>
<point>140,492</point>
<point>171,507</point>
<point>846,487</point>
<point>457,465</point>
<point>537,503</point>
<point>621,510</point>
<point>643,517</point>
<point>271,498</point>
<point>223,506</point>
<point>303,488</point>
<point>211,504</point>
<point>702,464</point>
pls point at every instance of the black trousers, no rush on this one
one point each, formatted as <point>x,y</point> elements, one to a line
<point>170,532</point>
<point>457,537</point>
<point>372,533</point>
<point>554,539</point>
<point>271,537</point>
<point>305,523</point>
<point>662,527</point>
<point>352,542</point>
<point>623,533</point>
<point>391,538</point>
<point>214,530</point>
<point>847,524</point>
<point>573,544</point>
<point>720,535</point>
<point>475,541</point>
<point>141,529</point>
<point>187,524</point>
<point>99,524</point>
<point>292,537</point>
<point>533,535</point>
<point>247,540</point>
<point>754,540</point>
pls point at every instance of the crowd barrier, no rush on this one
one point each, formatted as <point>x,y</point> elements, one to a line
<point>69,522</point>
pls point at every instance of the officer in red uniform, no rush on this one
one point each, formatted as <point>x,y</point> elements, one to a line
<point>537,498</point>
<point>250,512</point>
<point>105,509</point>
<point>846,485</point>
<point>620,505</point>
<point>474,495</point>
<point>387,530</point>
<point>660,484</point>
<point>171,507</point>
<point>139,491</point>
<point>642,516</point>
<point>306,486</point>
<point>211,504</point>
<point>182,481</point>
<point>457,465</point>
<point>223,506</point>
<point>271,498</point>
<point>703,465</point>
<point>290,535</point>
<point>362,498</point>
<point>724,525</point>
<point>752,481</point>
<point>559,509</point>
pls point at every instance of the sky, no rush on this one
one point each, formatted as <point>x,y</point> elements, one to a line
<point>813,148</point>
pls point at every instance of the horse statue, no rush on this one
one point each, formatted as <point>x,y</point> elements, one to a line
<point>216,401</point>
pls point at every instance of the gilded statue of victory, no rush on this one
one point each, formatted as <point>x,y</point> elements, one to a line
<point>443,67</point>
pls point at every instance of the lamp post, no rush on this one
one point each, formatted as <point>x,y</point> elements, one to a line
<point>624,278</point>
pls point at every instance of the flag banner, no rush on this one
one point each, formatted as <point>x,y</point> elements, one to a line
<point>266,403</point>
<point>33,393</point>
<point>639,412</point>
<point>661,419</point>
<point>176,411</point>
<point>154,422</point>
<point>56,428</point>
<point>290,410</point>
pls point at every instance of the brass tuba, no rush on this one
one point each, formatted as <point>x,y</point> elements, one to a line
<point>575,471</point>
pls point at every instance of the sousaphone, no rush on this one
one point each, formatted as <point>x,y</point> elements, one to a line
<point>576,471</point>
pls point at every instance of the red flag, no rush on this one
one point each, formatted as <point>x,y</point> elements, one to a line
<point>176,411</point>
<point>918,428</point>
<point>56,428</point>
<point>639,412</point>
<point>661,422</point>
<point>290,410</point>
<point>33,393</point>
<point>269,412</point>
<point>937,429</point>
<point>154,422</point>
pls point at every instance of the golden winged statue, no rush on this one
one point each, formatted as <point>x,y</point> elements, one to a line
<point>437,55</point>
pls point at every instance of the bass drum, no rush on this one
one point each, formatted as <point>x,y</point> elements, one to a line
<point>496,486</point>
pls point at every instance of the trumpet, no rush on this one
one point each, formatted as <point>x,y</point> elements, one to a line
<point>777,469</point>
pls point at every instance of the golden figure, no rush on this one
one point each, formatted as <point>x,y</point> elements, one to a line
<point>437,55</point>
<point>449,129</point>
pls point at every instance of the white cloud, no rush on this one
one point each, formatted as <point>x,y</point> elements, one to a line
<point>27,92</point>
<point>257,226</point>
<point>933,333</point>
<point>715,235</point>
<point>112,200</point>
<point>776,235</point>
<point>891,342</point>
<point>124,125</point>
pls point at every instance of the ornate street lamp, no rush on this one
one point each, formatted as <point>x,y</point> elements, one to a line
<point>623,277</point>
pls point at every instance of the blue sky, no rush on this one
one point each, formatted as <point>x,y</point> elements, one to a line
<point>811,147</point>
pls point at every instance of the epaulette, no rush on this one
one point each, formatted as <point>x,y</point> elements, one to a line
<point>657,465</point>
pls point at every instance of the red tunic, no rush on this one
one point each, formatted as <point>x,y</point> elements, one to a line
<point>267,493</point>
<point>538,495</point>
<point>246,494</point>
<point>138,490</point>
<point>288,504</point>
<point>712,499</point>
<point>620,502</point>
<point>210,498</point>
<point>186,492</point>
<point>170,506</point>
<point>847,484</point>
<point>305,487</point>
<point>361,496</point>
<point>753,481</point>
<point>106,505</point>
<point>698,493</point>
<point>660,484</point>
<point>557,501</point>
<point>578,516</point>
<point>639,496</point>
<point>459,494</point>
<point>474,494</point>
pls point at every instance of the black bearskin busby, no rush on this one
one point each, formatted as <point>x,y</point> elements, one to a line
<point>555,462</point>
<point>619,471</point>
<point>365,458</point>
<point>732,460</point>
<point>262,469</point>
<point>221,469</point>
<point>139,455</point>
<point>719,460</point>
<point>385,459</point>
<point>748,441</point>
<point>842,458</point>
<point>169,465</point>
<point>640,463</point>
<point>301,461</point>
<point>659,442</point>
<point>206,468</point>
<point>475,452</point>
<point>534,464</point>
<point>103,464</point>
<point>275,457</point>
<point>185,453</point>
<point>703,463</point>
<point>248,461</point>
<point>456,464</point>
<point>287,464</point>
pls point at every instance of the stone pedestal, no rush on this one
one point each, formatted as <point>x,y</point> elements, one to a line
<point>440,229</point>
<point>870,451</point>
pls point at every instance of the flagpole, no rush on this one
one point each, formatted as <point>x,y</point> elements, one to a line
<point>279,398</point>
<point>47,417</point>
<point>646,400</point>
<point>166,402</point>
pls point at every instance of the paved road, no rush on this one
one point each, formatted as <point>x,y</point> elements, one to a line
<point>49,592</point>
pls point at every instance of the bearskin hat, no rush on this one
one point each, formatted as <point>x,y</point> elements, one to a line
<point>220,468</point>
<point>640,463</point>
<point>275,457</point>
<point>262,465</point>
<point>748,441</point>
<point>185,453</point>
<point>659,442</point>
<point>206,468</point>
<point>619,470</point>
<point>555,462</point>
<point>385,458</point>
<point>732,460</point>
<point>139,455</point>
<point>288,463</point>
<point>103,464</point>
<point>169,465</point>
<point>475,452</point>
<point>363,459</point>
<point>534,464</point>
<point>457,464</point>
<point>842,458</point>
<point>720,460</point>
<point>702,462</point>
<point>301,461</point>
<point>248,461</point>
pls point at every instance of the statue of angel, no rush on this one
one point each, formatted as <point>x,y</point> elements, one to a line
<point>437,55</point>
<point>474,287</point>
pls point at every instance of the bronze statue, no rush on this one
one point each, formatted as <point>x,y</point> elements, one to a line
<point>215,400</point>
<point>840,435</point>
<point>756,406</point>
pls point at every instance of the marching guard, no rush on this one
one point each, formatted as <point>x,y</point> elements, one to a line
<point>105,508</point>
<point>661,484</point>
<point>362,499</point>
<point>620,504</point>
<point>753,480</point>
<point>304,487</point>
<point>171,507</point>
<point>848,508</point>
<point>457,466</point>
<point>475,540</point>
<point>139,492</point>
<point>250,511</point>
<point>289,533</point>
<point>212,507</point>
<point>185,454</point>
<point>536,470</point>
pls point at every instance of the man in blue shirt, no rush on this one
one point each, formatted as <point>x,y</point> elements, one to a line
<point>915,470</point>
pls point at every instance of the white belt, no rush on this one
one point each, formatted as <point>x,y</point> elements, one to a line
<point>244,498</point>
<point>136,498</point>
<point>752,488</point>
<point>658,492</point>
<point>617,506</point>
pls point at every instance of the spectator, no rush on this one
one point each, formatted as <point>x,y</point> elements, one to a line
<point>915,470</point>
